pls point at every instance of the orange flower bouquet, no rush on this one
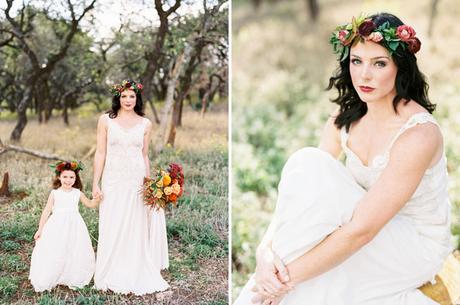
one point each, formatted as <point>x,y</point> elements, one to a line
<point>164,187</point>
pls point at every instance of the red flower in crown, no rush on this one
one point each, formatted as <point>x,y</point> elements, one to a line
<point>117,89</point>
<point>405,32</point>
<point>342,36</point>
<point>414,45</point>
<point>366,28</point>
<point>66,165</point>
<point>60,167</point>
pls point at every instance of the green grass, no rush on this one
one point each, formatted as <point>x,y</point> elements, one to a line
<point>8,286</point>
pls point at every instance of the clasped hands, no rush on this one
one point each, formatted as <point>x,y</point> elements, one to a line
<point>271,277</point>
<point>97,193</point>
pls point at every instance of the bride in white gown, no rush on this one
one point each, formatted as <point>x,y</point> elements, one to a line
<point>130,255</point>
<point>373,230</point>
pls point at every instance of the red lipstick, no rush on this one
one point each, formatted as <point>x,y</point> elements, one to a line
<point>366,89</point>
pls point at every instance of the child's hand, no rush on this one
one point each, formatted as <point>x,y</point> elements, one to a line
<point>38,234</point>
<point>97,199</point>
<point>96,192</point>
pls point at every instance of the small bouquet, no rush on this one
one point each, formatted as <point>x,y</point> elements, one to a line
<point>164,187</point>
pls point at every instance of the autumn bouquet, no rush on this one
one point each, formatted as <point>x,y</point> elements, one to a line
<point>164,186</point>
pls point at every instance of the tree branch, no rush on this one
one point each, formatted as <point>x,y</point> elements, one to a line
<point>19,34</point>
<point>53,59</point>
<point>4,148</point>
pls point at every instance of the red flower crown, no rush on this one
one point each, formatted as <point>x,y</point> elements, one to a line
<point>61,166</point>
<point>117,89</point>
<point>364,29</point>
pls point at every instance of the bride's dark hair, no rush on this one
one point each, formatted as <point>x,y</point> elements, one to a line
<point>138,108</point>
<point>410,82</point>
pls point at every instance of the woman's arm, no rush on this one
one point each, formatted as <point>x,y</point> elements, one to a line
<point>145,149</point>
<point>410,157</point>
<point>330,138</point>
<point>45,214</point>
<point>89,203</point>
<point>99,156</point>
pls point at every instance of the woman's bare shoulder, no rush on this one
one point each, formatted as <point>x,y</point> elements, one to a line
<point>330,138</point>
<point>408,109</point>
<point>426,138</point>
<point>103,119</point>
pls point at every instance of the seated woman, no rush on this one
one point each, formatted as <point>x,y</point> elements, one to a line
<point>373,230</point>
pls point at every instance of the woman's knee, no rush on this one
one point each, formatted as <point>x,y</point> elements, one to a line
<point>309,157</point>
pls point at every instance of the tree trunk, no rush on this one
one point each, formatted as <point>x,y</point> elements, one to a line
<point>256,3</point>
<point>155,114</point>
<point>174,75</point>
<point>39,110</point>
<point>48,113</point>
<point>204,103</point>
<point>433,13</point>
<point>65,114</point>
<point>172,134</point>
<point>313,9</point>
<point>154,56</point>
<point>174,123</point>
<point>4,189</point>
<point>21,111</point>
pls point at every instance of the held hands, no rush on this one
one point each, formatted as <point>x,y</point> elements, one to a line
<point>97,194</point>
<point>271,277</point>
<point>97,199</point>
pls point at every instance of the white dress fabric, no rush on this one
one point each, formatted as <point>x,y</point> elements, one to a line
<point>317,194</point>
<point>125,262</point>
<point>158,238</point>
<point>63,255</point>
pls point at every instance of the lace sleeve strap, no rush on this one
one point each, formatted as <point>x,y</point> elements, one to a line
<point>343,137</point>
<point>414,120</point>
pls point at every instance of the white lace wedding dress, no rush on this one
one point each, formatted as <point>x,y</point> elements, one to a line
<point>317,194</point>
<point>127,260</point>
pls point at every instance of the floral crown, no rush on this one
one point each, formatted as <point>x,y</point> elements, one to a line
<point>61,166</point>
<point>117,89</point>
<point>364,29</point>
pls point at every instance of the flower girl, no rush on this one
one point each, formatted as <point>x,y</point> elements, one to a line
<point>63,254</point>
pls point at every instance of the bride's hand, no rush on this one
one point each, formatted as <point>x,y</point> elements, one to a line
<point>272,301</point>
<point>271,274</point>
<point>263,300</point>
<point>97,192</point>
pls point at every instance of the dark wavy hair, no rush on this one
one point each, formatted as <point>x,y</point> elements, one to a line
<point>78,185</point>
<point>410,82</point>
<point>138,108</point>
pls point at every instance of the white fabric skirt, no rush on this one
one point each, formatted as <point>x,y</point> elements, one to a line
<point>317,195</point>
<point>124,262</point>
<point>158,238</point>
<point>63,255</point>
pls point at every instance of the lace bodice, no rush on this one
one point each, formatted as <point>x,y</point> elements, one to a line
<point>124,163</point>
<point>66,202</point>
<point>429,207</point>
